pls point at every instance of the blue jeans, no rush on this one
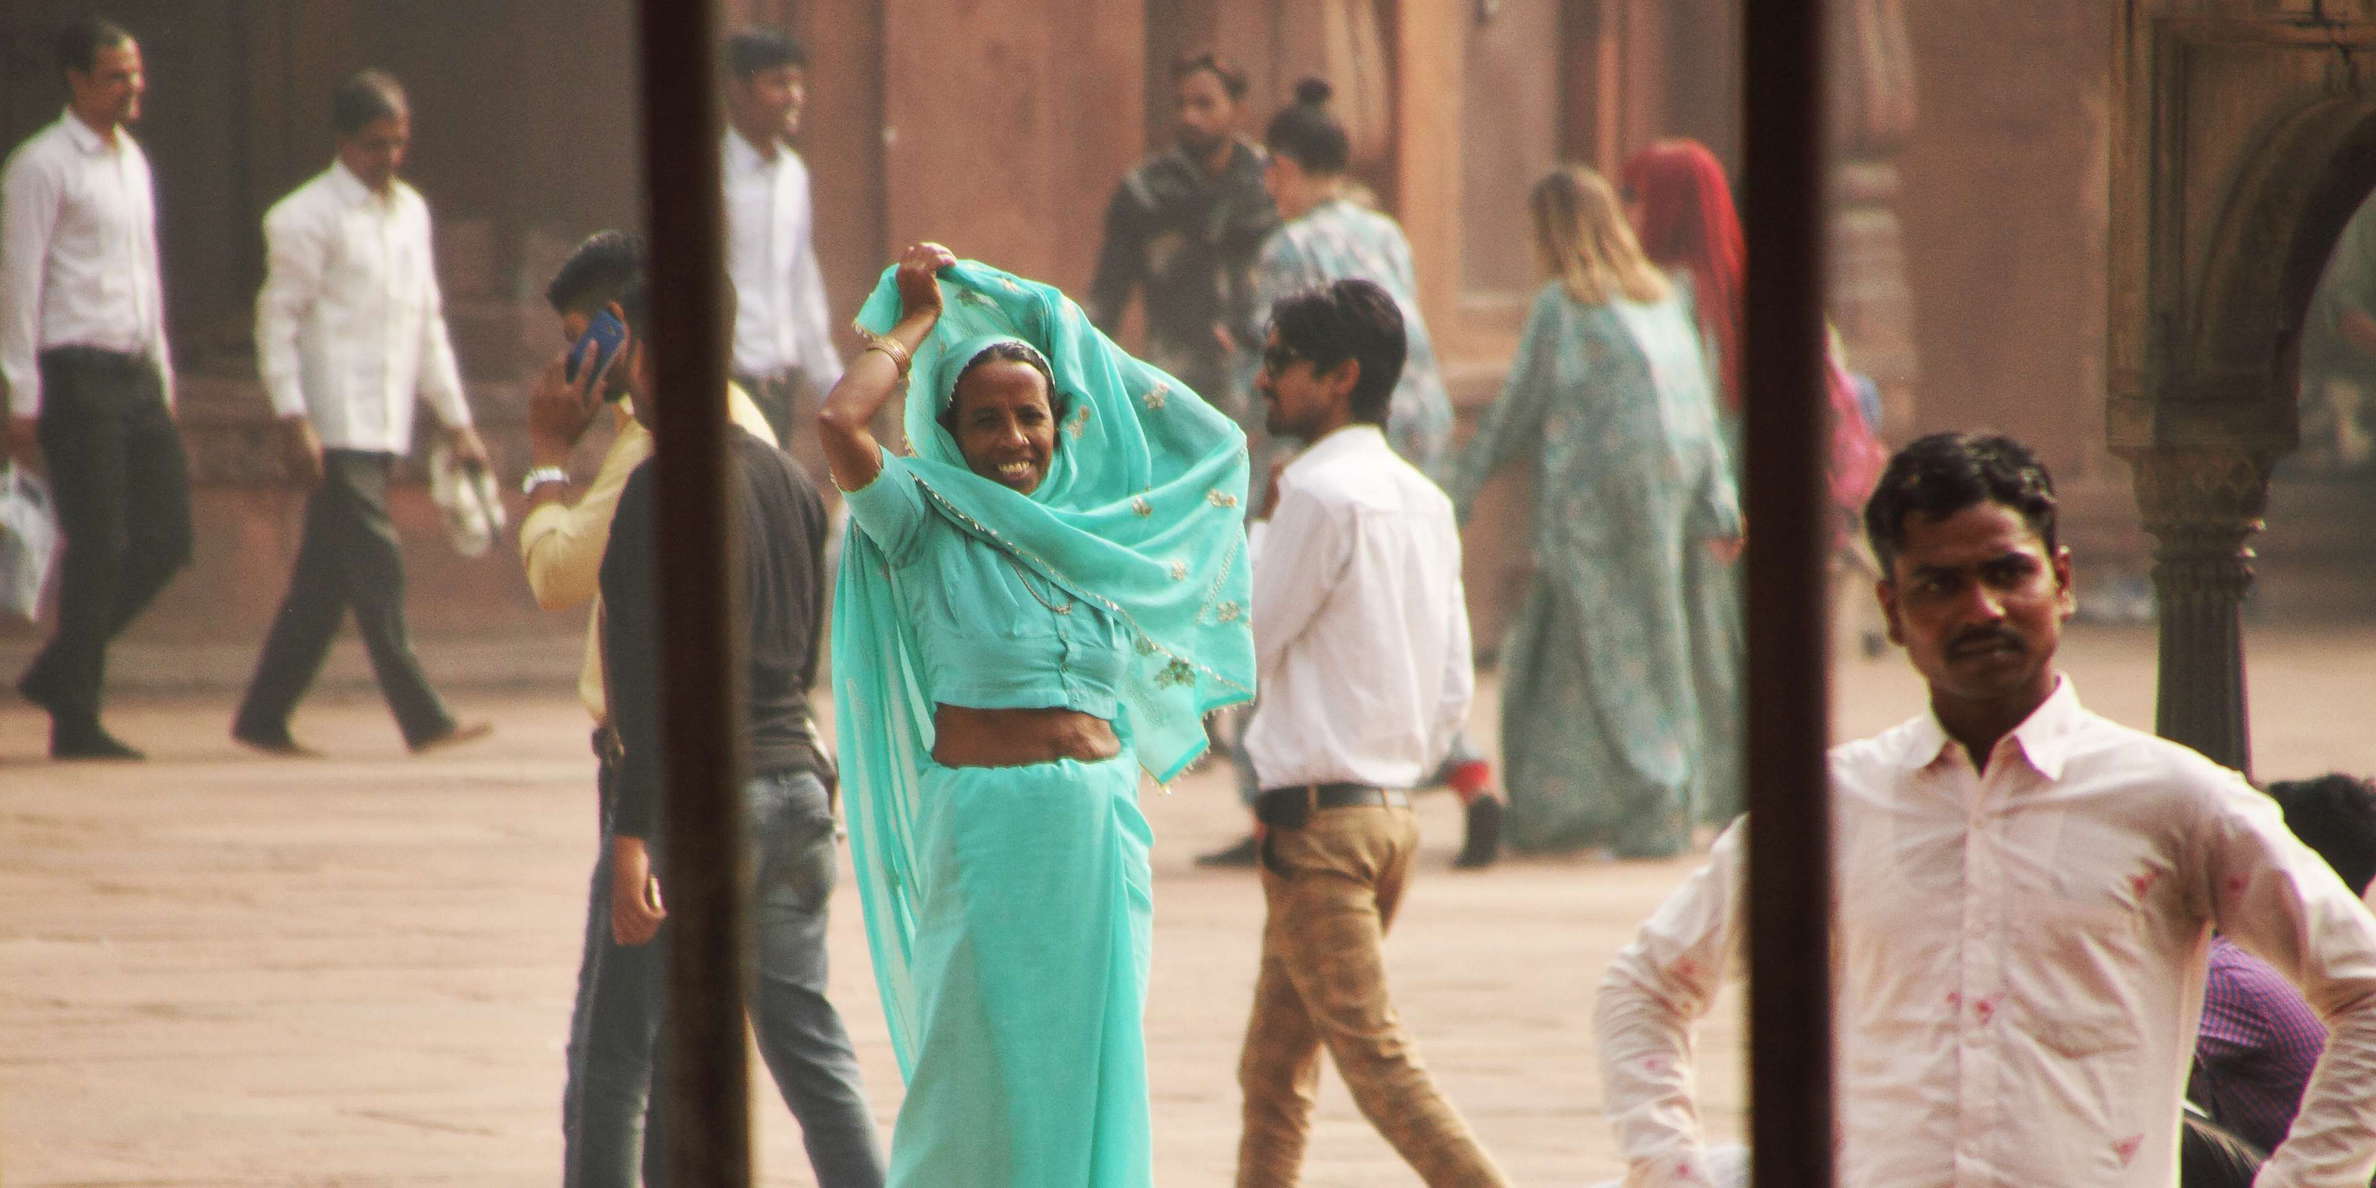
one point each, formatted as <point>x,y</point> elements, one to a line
<point>608,1128</point>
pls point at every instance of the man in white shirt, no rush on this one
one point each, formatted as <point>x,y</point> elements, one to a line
<point>350,330</point>
<point>2024,896</point>
<point>783,346</point>
<point>1357,588</point>
<point>86,373</point>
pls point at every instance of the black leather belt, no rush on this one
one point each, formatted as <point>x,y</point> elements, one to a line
<point>95,357</point>
<point>1291,806</point>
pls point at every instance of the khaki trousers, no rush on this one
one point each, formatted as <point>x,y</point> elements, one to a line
<point>1332,886</point>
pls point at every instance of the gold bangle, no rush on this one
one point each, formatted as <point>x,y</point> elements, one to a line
<point>893,350</point>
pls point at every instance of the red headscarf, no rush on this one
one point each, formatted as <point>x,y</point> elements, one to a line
<point>1688,222</point>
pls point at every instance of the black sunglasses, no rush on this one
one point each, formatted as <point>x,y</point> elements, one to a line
<point>1277,358</point>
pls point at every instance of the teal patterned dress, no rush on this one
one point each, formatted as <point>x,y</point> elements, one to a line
<point>1620,674</point>
<point>1335,240</point>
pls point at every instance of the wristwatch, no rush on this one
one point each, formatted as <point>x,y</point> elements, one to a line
<point>538,476</point>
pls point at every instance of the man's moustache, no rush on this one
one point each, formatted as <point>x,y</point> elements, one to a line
<point>1985,637</point>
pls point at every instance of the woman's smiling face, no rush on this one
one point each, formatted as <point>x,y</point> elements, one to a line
<point>1004,423</point>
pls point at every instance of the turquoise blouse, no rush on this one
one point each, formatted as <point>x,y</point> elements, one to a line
<point>992,635</point>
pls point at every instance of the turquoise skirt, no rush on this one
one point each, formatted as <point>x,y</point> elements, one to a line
<point>1034,927</point>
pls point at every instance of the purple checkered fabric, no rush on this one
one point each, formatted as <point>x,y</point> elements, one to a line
<point>2255,1048</point>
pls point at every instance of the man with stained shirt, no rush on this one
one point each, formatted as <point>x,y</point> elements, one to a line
<point>87,375</point>
<point>350,331</point>
<point>783,342</point>
<point>2024,897</point>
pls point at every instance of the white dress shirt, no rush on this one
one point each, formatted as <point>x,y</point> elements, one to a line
<point>350,326</point>
<point>1361,634</point>
<point>779,291</point>
<point>2018,963</point>
<point>78,255</point>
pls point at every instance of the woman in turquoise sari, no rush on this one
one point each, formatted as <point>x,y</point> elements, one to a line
<point>1044,596</point>
<point>1635,520</point>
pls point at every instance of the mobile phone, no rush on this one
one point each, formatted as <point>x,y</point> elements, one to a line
<point>594,348</point>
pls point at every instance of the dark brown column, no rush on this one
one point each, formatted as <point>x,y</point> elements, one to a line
<point>2202,503</point>
<point>705,1085</point>
<point>1789,891</point>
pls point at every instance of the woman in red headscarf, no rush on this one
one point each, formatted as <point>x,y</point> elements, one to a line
<point>1682,210</point>
<point>1683,214</point>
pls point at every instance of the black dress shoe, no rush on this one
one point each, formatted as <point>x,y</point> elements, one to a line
<point>1246,852</point>
<point>453,736</point>
<point>34,687</point>
<point>88,742</point>
<point>273,742</point>
<point>1483,843</point>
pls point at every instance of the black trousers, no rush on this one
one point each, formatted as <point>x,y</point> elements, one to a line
<point>122,490</point>
<point>348,558</point>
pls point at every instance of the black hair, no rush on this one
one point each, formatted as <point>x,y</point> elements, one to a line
<point>600,268</point>
<point>1010,351</point>
<point>1348,319</point>
<point>1233,79</point>
<point>2334,814</point>
<point>1944,473</point>
<point>752,50</point>
<point>1308,133</point>
<point>81,40</point>
<point>365,98</point>
<point>635,306</point>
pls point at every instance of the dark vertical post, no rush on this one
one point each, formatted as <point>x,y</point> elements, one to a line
<point>2203,503</point>
<point>1789,909</point>
<point>706,1084</point>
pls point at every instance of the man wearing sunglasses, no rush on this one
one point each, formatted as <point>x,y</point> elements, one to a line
<point>1356,586</point>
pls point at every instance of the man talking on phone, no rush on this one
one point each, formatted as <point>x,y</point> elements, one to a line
<point>350,329</point>
<point>565,546</point>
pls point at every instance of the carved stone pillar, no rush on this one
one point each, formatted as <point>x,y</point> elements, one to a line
<point>1872,113</point>
<point>2202,503</point>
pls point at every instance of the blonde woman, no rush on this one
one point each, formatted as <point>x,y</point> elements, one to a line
<point>1610,400</point>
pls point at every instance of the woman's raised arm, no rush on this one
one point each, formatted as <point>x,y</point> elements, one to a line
<point>851,451</point>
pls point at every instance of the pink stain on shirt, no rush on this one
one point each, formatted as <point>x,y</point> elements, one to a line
<point>2127,1148</point>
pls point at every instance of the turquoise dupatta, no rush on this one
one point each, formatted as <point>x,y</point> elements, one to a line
<point>1141,513</point>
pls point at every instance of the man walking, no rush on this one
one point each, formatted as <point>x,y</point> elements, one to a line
<point>87,375</point>
<point>2024,894</point>
<point>1357,588</point>
<point>350,329</point>
<point>1182,229</point>
<point>778,523</point>
<point>783,346</point>
<point>562,541</point>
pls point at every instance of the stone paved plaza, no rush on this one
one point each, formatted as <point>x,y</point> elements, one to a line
<point>219,970</point>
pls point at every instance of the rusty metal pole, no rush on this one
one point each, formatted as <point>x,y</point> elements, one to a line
<point>1789,891</point>
<point>704,1086</point>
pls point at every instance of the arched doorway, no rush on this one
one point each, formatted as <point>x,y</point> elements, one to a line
<point>2242,142</point>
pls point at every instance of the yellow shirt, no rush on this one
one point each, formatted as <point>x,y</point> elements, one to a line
<point>561,544</point>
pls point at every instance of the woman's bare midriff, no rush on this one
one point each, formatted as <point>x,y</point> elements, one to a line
<point>969,737</point>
